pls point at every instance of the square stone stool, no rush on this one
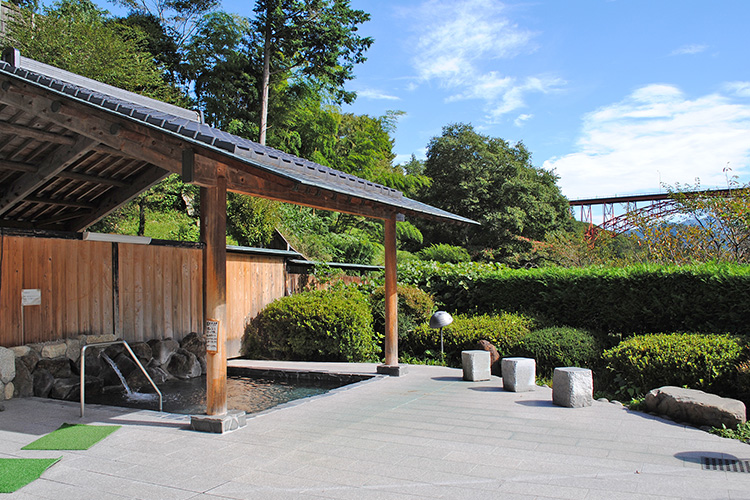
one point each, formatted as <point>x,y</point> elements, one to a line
<point>476,365</point>
<point>519,374</point>
<point>572,387</point>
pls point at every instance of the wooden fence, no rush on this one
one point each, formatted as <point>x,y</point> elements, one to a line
<point>136,292</point>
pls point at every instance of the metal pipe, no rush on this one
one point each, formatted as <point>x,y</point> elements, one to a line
<point>132,354</point>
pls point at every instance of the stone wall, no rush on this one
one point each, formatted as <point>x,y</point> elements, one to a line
<point>52,369</point>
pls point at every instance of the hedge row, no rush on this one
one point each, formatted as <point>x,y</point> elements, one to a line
<point>640,299</point>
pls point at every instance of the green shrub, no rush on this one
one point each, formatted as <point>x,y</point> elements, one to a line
<point>705,298</point>
<point>414,307</point>
<point>705,362</point>
<point>321,325</point>
<point>444,253</point>
<point>502,330</point>
<point>557,347</point>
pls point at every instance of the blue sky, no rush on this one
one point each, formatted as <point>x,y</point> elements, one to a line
<point>615,96</point>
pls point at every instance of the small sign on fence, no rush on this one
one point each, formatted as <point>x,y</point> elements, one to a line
<point>212,335</point>
<point>31,297</point>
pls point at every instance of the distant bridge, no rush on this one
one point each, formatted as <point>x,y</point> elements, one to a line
<point>656,204</point>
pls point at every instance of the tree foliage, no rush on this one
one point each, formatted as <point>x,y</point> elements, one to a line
<point>307,39</point>
<point>709,227</point>
<point>488,180</point>
<point>74,35</point>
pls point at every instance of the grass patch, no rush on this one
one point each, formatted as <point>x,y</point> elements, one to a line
<point>72,437</point>
<point>16,473</point>
<point>742,432</point>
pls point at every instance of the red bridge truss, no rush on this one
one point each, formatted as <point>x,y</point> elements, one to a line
<point>657,204</point>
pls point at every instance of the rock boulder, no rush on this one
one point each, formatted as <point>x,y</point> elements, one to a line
<point>495,366</point>
<point>7,365</point>
<point>163,350</point>
<point>184,365</point>
<point>696,407</point>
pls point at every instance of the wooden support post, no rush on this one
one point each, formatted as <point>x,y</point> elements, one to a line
<point>213,234</point>
<point>391,366</point>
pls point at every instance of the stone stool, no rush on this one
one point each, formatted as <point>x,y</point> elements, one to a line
<point>519,374</point>
<point>476,365</point>
<point>572,387</point>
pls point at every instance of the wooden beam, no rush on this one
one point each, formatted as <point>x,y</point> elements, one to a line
<point>61,203</point>
<point>391,294</point>
<point>289,191</point>
<point>54,163</point>
<point>213,235</point>
<point>119,197</point>
<point>17,166</point>
<point>120,133</point>
<point>77,176</point>
<point>34,133</point>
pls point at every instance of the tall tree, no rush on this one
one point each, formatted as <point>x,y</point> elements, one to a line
<point>179,18</point>
<point>311,39</point>
<point>494,183</point>
<point>74,35</point>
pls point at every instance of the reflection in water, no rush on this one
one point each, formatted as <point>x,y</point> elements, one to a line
<point>243,393</point>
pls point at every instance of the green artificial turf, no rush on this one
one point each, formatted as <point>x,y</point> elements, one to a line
<point>16,473</point>
<point>72,437</point>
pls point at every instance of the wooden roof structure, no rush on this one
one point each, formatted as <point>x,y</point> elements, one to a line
<point>73,149</point>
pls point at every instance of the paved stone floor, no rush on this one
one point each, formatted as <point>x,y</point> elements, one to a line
<point>427,434</point>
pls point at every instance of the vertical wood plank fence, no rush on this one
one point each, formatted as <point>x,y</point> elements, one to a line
<point>136,292</point>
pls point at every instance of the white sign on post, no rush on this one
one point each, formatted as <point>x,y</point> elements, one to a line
<point>212,335</point>
<point>31,297</point>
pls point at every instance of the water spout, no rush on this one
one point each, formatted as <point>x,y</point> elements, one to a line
<point>118,373</point>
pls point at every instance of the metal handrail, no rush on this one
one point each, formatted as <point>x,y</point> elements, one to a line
<point>132,354</point>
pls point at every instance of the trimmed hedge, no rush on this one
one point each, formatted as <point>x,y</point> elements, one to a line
<point>322,325</point>
<point>639,299</point>
<point>706,362</point>
<point>502,331</point>
<point>414,307</point>
<point>557,347</point>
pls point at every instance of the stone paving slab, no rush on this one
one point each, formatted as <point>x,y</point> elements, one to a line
<point>427,434</point>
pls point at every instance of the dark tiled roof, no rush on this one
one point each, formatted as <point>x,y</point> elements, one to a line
<point>185,123</point>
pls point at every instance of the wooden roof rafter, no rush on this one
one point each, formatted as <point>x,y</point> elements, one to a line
<point>128,147</point>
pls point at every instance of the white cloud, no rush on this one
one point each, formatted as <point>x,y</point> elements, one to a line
<point>741,89</point>
<point>376,95</point>
<point>690,49</point>
<point>453,36</point>
<point>455,43</point>
<point>654,135</point>
<point>522,119</point>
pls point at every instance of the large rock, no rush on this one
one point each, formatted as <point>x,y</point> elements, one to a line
<point>21,350</point>
<point>73,349</point>
<point>495,366</point>
<point>183,364</point>
<point>196,343</point>
<point>94,362</point>
<point>7,365</point>
<point>163,350</point>
<point>143,352</point>
<point>66,389</point>
<point>696,407</point>
<point>24,381</point>
<point>95,339</point>
<point>54,350</point>
<point>69,389</point>
<point>43,382</point>
<point>30,359</point>
<point>139,383</point>
<point>58,367</point>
